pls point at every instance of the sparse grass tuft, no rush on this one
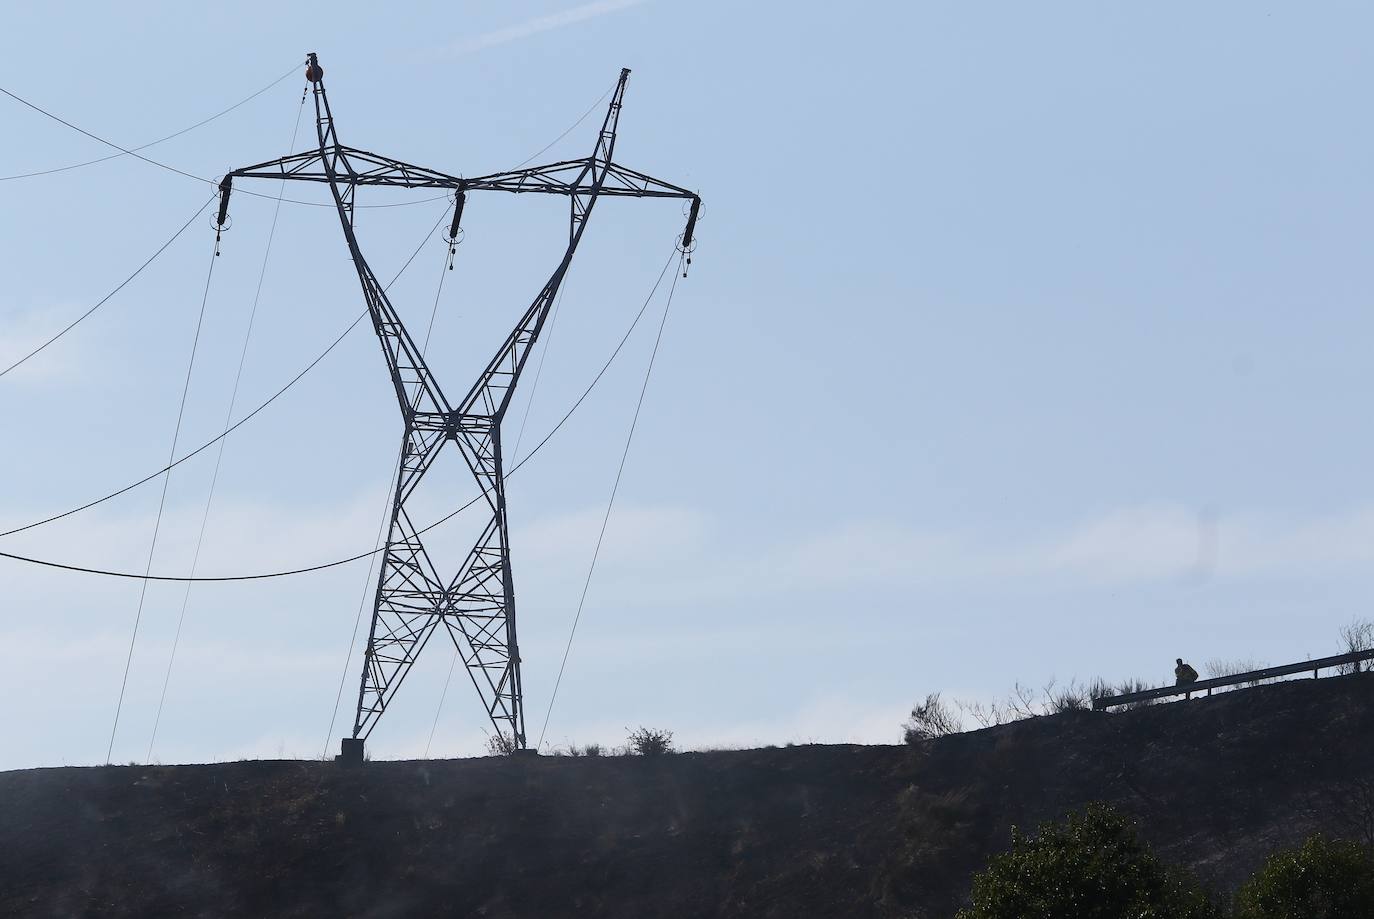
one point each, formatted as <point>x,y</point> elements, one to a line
<point>591,749</point>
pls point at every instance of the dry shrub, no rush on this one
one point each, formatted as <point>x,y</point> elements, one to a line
<point>1356,637</point>
<point>647,742</point>
<point>1025,702</point>
<point>1217,668</point>
<point>500,744</point>
<point>930,719</point>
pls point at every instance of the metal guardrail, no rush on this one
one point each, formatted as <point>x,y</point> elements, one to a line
<point>1253,676</point>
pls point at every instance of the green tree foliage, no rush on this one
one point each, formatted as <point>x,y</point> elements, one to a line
<point>1092,866</point>
<point>1322,879</point>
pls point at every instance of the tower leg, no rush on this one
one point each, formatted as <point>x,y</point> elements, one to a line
<point>410,595</point>
<point>480,612</point>
<point>477,606</point>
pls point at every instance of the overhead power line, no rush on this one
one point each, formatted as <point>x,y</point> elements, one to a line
<point>515,455</point>
<point>162,502</point>
<point>182,172</point>
<point>473,601</point>
<point>358,617</point>
<point>122,284</point>
<point>544,149</point>
<point>152,143</point>
<point>237,424</point>
<point>529,403</point>
<point>610,504</point>
<point>219,455</point>
<point>47,563</point>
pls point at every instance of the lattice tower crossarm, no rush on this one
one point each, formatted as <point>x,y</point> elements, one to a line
<point>476,605</point>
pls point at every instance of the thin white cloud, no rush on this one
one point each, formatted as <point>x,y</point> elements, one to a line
<point>543,24</point>
<point>673,586</point>
<point>1134,544</point>
<point>635,535</point>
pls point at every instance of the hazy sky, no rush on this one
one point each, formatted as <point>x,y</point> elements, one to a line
<point>1022,341</point>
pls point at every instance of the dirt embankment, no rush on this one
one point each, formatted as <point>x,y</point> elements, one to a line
<point>815,831</point>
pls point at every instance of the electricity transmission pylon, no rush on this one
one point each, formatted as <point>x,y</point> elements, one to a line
<point>476,604</point>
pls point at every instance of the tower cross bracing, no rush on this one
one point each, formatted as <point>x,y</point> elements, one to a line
<point>415,593</point>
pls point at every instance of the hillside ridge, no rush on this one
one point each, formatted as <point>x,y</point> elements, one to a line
<point>816,830</point>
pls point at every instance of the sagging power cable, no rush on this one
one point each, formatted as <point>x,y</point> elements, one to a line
<point>152,143</point>
<point>161,504</point>
<point>182,172</point>
<point>242,421</point>
<point>544,149</point>
<point>103,300</point>
<point>219,455</point>
<point>538,372</point>
<point>610,504</point>
<point>362,555</point>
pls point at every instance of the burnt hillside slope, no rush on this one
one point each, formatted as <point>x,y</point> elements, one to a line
<point>812,831</point>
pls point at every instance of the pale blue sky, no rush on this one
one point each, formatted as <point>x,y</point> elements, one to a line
<point>1023,341</point>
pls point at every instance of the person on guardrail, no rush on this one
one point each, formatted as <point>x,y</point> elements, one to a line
<point>1184,673</point>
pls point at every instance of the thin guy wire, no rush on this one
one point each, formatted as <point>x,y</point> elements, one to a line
<point>181,172</point>
<point>609,505</point>
<point>154,143</point>
<point>161,504</point>
<point>227,431</point>
<point>362,555</point>
<point>219,455</point>
<point>102,301</point>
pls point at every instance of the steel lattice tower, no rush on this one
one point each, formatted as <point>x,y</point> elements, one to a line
<point>476,604</point>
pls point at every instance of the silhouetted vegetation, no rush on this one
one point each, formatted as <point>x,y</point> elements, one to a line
<point>648,742</point>
<point>1126,687</point>
<point>1101,689</point>
<point>1322,879</point>
<point>929,720</point>
<point>1354,801</point>
<point>1217,668</point>
<point>1091,866</point>
<point>936,717</point>
<point>1358,636</point>
<point>1069,698</point>
<point>591,749</point>
<point>500,744</point>
<point>821,831</point>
